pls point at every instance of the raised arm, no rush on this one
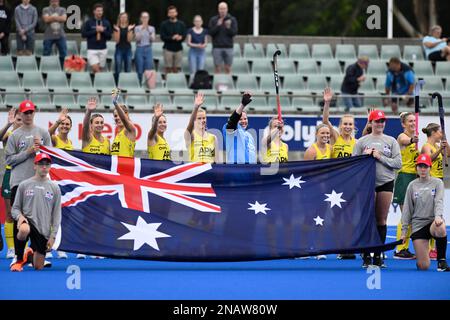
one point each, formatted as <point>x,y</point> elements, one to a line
<point>128,124</point>
<point>86,134</point>
<point>158,111</point>
<point>327,96</point>
<point>4,130</point>
<point>52,129</point>
<point>233,120</point>
<point>199,99</point>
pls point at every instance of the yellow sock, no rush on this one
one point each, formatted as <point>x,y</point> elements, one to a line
<point>432,244</point>
<point>9,234</point>
<point>401,247</point>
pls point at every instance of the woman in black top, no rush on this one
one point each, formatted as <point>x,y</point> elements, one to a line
<point>122,35</point>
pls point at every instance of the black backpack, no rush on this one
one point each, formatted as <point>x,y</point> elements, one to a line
<point>202,80</point>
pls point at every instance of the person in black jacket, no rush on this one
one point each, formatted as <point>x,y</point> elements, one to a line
<point>97,31</point>
<point>5,27</point>
<point>354,75</point>
<point>222,29</point>
<point>173,32</point>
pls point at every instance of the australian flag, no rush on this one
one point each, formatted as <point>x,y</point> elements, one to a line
<point>144,209</point>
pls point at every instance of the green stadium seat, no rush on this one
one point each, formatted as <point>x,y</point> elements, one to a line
<point>26,64</point>
<point>165,100</point>
<point>9,80</point>
<point>247,82</point>
<point>72,47</point>
<point>369,50</point>
<point>240,66</point>
<point>432,84</point>
<point>259,104</point>
<point>184,102</point>
<point>412,53</point>
<point>390,50</point>
<point>377,68</point>
<point>321,51</point>
<point>237,51</point>
<point>292,83</point>
<point>367,86</point>
<point>372,101</point>
<point>447,84</point>
<point>111,46</point>
<point>423,68</point>
<point>159,82</point>
<point>13,47</point>
<point>380,81</point>
<point>261,66</point>
<point>223,82</point>
<point>307,67</point>
<point>286,66</point>
<point>137,102</point>
<point>41,98</point>
<point>228,103</point>
<point>80,80</point>
<point>57,79</point>
<point>50,63</point>
<point>65,100</point>
<point>32,80</point>
<point>299,51</point>
<point>104,81</point>
<point>336,82</point>
<point>6,63</point>
<point>316,83</point>
<point>83,49</point>
<point>267,83</point>
<point>209,65</point>
<point>330,67</point>
<point>128,81</point>
<point>285,103</point>
<point>304,104</point>
<point>272,47</point>
<point>157,50</point>
<point>345,51</point>
<point>14,99</point>
<point>443,68</point>
<point>253,50</point>
<point>176,81</point>
<point>85,94</point>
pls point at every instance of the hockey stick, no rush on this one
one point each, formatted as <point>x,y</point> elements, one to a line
<point>441,118</point>
<point>277,81</point>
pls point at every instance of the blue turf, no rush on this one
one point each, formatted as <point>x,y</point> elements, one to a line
<point>278,279</point>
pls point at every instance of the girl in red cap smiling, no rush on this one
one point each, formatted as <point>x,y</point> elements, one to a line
<point>386,150</point>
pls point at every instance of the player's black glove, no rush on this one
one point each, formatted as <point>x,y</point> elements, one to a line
<point>246,99</point>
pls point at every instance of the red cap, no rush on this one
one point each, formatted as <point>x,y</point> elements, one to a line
<point>376,115</point>
<point>42,156</point>
<point>27,105</point>
<point>424,159</point>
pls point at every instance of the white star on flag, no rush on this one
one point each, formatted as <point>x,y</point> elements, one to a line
<point>335,199</point>
<point>293,182</point>
<point>143,233</point>
<point>319,221</point>
<point>258,207</point>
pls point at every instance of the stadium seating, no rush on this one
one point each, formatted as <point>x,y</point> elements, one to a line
<point>345,52</point>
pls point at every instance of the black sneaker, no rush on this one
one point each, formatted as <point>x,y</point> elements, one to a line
<point>443,266</point>
<point>367,261</point>
<point>378,262</point>
<point>346,256</point>
<point>404,255</point>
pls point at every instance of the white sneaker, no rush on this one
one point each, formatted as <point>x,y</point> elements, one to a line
<point>61,254</point>
<point>14,260</point>
<point>10,253</point>
<point>321,257</point>
<point>97,257</point>
<point>81,256</point>
<point>49,255</point>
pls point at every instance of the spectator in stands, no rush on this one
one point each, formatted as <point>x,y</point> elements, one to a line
<point>122,35</point>
<point>222,29</point>
<point>5,27</point>
<point>173,33</point>
<point>400,80</point>
<point>26,18</point>
<point>354,75</point>
<point>54,17</point>
<point>197,41</point>
<point>97,31</point>
<point>436,48</point>
<point>145,36</point>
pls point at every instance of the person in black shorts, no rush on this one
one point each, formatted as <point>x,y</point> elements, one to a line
<point>424,209</point>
